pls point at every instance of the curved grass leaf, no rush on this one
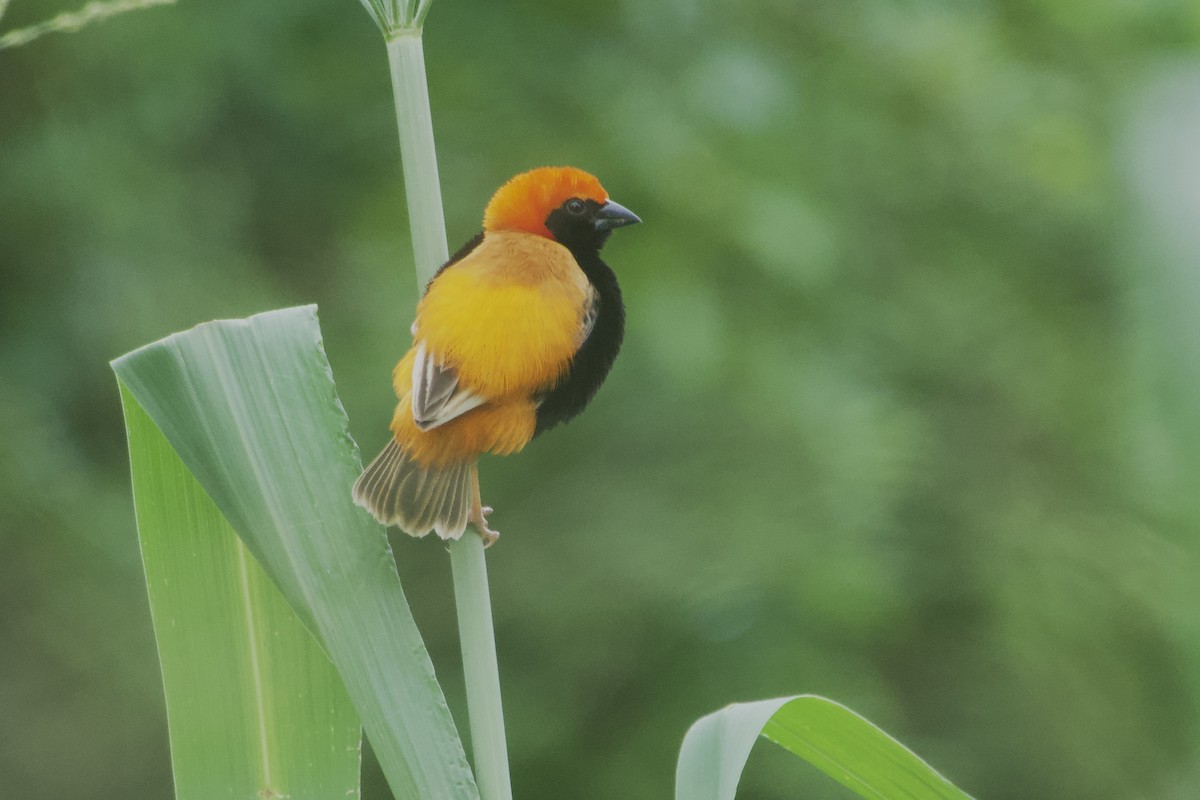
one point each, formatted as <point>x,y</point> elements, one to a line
<point>250,408</point>
<point>831,737</point>
<point>254,707</point>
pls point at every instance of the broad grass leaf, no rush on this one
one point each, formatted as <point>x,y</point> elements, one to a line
<point>254,707</point>
<point>251,409</point>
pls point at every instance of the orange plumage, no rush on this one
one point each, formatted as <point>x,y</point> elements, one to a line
<point>513,337</point>
<point>525,286</point>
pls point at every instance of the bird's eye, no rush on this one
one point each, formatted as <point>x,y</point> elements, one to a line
<point>575,206</point>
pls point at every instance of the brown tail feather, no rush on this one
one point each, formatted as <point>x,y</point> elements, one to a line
<point>399,491</point>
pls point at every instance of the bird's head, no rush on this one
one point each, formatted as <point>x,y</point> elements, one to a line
<point>565,204</point>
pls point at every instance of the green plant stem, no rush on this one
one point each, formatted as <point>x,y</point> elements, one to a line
<point>471,595</point>
<point>478,639</point>
<point>406,57</point>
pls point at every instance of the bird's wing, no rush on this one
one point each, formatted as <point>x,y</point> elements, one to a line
<point>591,310</point>
<point>436,396</point>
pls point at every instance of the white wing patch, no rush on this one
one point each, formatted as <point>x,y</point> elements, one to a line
<point>436,395</point>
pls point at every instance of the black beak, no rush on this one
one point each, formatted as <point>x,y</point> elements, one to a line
<point>614,215</point>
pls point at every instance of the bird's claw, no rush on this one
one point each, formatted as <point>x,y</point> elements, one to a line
<point>488,535</point>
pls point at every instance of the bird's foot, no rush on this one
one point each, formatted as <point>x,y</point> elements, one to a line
<point>479,520</point>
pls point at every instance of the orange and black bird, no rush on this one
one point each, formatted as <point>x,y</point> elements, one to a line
<point>513,336</point>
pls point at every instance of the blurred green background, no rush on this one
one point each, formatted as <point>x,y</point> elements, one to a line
<point>907,413</point>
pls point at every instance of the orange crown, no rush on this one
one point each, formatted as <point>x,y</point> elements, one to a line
<point>524,202</point>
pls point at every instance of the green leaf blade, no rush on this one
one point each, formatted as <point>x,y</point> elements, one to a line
<point>845,746</point>
<point>251,408</point>
<point>254,708</point>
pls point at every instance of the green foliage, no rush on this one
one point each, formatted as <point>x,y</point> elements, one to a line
<point>870,434</point>
<point>828,735</point>
<point>254,707</point>
<point>250,408</point>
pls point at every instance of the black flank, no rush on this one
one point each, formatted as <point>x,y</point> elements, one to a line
<point>595,358</point>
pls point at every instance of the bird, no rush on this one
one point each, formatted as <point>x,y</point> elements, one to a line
<point>513,336</point>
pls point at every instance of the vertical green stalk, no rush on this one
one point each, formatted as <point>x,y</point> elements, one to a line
<point>406,57</point>
<point>478,640</point>
<point>471,594</point>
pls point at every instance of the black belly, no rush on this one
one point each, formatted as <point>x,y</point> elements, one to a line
<point>595,356</point>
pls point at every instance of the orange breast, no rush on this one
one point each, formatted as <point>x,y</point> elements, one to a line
<point>507,318</point>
